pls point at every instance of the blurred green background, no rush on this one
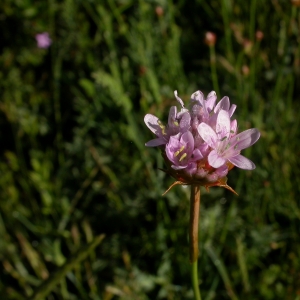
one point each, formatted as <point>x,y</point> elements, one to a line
<point>73,162</point>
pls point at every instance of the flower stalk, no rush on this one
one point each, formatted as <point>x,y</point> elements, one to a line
<point>200,145</point>
<point>195,282</point>
<point>193,232</point>
<point>194,222</point>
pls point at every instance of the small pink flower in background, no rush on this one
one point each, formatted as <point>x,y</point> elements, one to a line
<point>43,40</point>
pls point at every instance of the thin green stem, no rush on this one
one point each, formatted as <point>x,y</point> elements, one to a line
<point>195,280</point>
<point>194,226</point>
<point>226,15</point>
<point>252,19</point>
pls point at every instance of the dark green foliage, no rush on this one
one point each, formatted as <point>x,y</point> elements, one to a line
<point>73,162</point>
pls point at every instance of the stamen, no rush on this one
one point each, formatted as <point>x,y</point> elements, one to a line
<point>180,150</point>
<point>235,147</point>
<point>224,138</point>
<point>162,126</point>
<point>231,131</point>
<point>176,123</point>
<point>183,156</point>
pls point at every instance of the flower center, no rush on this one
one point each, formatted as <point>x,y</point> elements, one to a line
<point>180,150</point>
<point>183,156</point>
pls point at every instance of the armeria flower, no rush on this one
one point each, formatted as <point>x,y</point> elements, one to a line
<point>180,151</point>
<point>225,144</point>
<point>177,122</point>
<point>43,40</point>
<point>201,145</point>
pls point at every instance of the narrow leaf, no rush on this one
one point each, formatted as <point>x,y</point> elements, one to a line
<point>47,286</point>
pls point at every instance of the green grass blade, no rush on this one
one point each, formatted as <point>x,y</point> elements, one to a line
<point>48,285</point>
<point>222,270</point>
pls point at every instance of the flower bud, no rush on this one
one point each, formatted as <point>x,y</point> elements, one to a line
<point>247,46</point>
<point>245,70</point>
<point>259,35</point>
<point>159,11</point>
<point>210,38</point>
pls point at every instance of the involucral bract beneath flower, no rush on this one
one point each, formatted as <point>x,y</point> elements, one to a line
<point>201,144</point>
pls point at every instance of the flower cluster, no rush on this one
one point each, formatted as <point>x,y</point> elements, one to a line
<point>201,144</point>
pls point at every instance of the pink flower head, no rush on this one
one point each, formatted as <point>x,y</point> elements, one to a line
<point>201,145</point>
<point>43,40</point>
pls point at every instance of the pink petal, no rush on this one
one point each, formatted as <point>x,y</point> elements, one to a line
<point>156,142</point>
<point>171,147</point>
<point>246,138</point>
<point>208,134</point>
<point>211,100</point>
<point>191,168</point>
<point>242,162</point>
<point>231,110</point>
<point>172,115</point>
<point>185,122</point>
<point>223,124</point>
<point>224,103</point>
<point>152,123</point>
<point>233,127</point>
<point>196,155</point>
<point>178,167</point>
<point>215,160</point>
<point>204,148</point>
<point>188,139</point>
<point>198,96</point>
<point>222,171</point>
